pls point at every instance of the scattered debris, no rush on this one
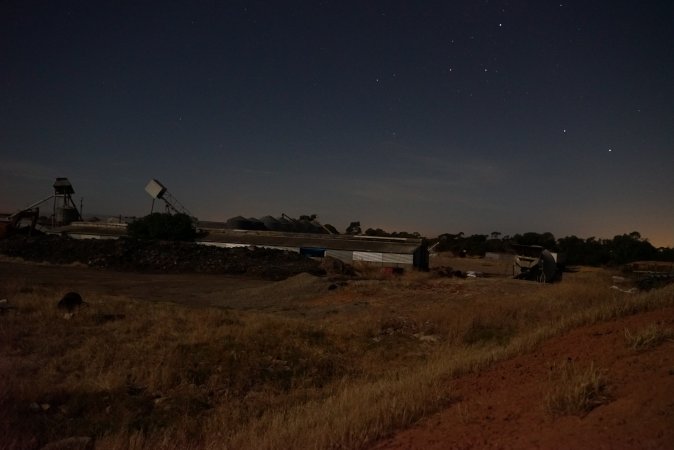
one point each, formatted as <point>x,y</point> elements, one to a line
<point>627,291</point>
<point>5,306</point>
<point>398,326</point>
<point>430,338</point>
<point>446,271</point>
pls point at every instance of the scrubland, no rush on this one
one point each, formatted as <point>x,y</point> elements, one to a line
<point>340,369</point>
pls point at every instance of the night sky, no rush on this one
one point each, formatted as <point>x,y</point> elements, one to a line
<point>429,116</point>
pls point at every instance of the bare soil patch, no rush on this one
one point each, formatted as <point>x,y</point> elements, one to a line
<point>503,407</point>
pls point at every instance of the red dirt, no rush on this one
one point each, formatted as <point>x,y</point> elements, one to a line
<point>503,407</point>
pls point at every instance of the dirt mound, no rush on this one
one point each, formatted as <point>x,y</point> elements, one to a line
<point>160,257</point>
<point>289,292</point>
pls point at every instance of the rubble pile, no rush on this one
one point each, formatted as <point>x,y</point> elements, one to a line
<point>160,256</point>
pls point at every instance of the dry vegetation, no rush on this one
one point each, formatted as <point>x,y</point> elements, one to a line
<point>649,337</point>
<point>576,390</point>
<point>346,368</point>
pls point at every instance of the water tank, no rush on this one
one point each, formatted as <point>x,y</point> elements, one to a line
<point>66,215</point>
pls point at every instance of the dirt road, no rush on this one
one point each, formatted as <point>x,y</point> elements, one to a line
<point>194,289</point>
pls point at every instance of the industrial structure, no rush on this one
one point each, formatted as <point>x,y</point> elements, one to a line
<point>305,235</point>
<point>64,210</point>
<point>380,251</point>
<point>158,191</point>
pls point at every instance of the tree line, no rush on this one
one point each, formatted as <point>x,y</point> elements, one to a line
<point>577,251</point>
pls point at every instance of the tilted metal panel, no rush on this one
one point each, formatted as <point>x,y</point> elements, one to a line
<point>155,188</point>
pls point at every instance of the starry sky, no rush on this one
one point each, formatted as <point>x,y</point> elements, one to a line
<point>430,116</point>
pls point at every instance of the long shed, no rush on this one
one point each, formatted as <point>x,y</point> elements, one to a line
<point>374,250</point>
<point>381,251</point>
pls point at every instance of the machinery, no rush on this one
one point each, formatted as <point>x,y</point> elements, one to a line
<point>64,210</point>
<point>10,224</point>
<point>535,263</point>
<point>156,190</point>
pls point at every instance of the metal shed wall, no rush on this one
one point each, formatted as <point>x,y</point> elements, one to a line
<point>342,255</point>
<point>386,259</point>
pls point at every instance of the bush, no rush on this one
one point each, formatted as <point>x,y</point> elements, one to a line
<point>165,227</point>
<point>576,391</point>
<point>649,337</point>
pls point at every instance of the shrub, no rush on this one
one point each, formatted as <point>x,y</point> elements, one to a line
<point>162,226</point>
<point>576,391</point>
<point>649,337</point>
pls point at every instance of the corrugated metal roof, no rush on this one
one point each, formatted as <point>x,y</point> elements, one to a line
<point>334,242</point>
<point>92,228</point>
<point>265,238</point>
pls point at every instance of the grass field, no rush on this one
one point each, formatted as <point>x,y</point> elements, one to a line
<point>338,369</point>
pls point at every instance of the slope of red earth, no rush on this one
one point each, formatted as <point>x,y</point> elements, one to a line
<point>504,406</point>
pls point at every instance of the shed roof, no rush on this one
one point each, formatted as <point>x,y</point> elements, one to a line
<point>333,242</point>
<point>265,238</point>
<point>92,228</point>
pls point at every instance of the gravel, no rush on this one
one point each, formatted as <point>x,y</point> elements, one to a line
<point>160,256</point>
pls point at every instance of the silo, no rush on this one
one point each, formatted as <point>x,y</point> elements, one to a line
<point>271,223</point>
<point>256,224</point>
<point>238,223</point>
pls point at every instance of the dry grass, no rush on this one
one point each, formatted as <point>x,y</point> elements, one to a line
<point>170,376</point>
<point>576,391</point>
<point>649,337</point>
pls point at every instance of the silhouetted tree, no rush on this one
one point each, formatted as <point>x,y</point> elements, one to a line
<point>162,226</point>
<point>353,228</point>
<point>631,247</point>
<point>377,232</point>
<point>546,240</point>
